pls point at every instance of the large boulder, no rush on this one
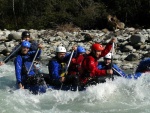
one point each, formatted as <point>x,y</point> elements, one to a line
<point>14,36</point>
<point>132,57</point>
<point>137,38</point>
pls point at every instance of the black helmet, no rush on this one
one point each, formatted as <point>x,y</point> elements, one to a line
<point>25,33</point>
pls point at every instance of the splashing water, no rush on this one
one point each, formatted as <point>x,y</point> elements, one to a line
<point>118,96</point>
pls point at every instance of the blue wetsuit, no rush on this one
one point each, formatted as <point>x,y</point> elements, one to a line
<point>22,65</point>
<point>56,67</point>
<point>116,70</point>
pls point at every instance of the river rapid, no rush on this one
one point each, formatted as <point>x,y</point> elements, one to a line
<point>118,96</point>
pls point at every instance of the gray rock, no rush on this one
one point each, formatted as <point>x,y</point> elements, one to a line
<point>3,38</point>
<point>132,57</point>
<point>146,55</point>
<point>52,55</point>
<point>1,33</point>
<point>21,30</point>
<point>123,43</point>
<point>116,57</point>
<point>137,38</point>
<point>60,34</point>
<point>58,38</point>
<point>148,30</point>
<point>122,57</point>
<point>6,33</point>
<point>4,51</point>
<point>68,34</point>
<point>65,43</point>
<point>131,29</point>
<point>2,46</point>
<point>127,48</point>
<point>127,66</point>
<point>14,36</point>
<point>33,31</point>
<point>52,39</point>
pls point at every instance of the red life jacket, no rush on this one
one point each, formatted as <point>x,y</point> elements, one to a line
<point>75,66</point>
<point>89,66</point>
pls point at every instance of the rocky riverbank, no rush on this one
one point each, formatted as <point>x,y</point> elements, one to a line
<point>132,44</point>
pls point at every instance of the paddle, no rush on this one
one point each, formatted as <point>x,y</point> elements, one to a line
<point>69,61</point>
<point>67,67</point>
<point>117,72</point>
<point>112,59</point>
<point>12,53</point>
<point>33,60</point>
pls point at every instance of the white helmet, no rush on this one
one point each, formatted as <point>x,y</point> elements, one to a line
<point>108,56</point>
<point>61,49</point>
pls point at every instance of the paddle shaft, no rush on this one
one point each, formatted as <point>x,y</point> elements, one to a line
<point>117,72</point>
<point>112,59</point>
<point>69,61</point>
<point>33,60</point>
<point>12,53</point>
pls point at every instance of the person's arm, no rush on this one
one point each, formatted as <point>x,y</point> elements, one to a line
<point>108,47</point>
<point>34,46</point>
<point>92,68</point>
<point>106,50</point>
<point>32,53</point>
<point>18,68</point>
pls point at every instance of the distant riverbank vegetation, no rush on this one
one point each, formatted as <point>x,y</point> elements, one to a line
<point>86,14</point>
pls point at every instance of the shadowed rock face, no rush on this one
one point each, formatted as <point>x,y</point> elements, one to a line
<point>115,23</point>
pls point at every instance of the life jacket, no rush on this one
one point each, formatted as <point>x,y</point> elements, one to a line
<point>75,66</point>
<point>61,66</point>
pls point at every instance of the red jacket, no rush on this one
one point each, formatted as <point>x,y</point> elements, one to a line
<point>75,66</point>
<point>89,65</point>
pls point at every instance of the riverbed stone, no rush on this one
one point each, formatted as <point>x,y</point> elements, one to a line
<point>132,57</point>
<point>137,38</point>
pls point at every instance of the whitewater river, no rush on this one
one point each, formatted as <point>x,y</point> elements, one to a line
<point>119,96</point>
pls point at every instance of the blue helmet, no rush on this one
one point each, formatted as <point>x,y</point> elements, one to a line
<point>26,44</point>
<point>80,49</point>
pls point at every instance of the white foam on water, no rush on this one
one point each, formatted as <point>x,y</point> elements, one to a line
<point>118,96</point>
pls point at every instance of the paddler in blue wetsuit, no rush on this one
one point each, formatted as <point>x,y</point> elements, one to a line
<point>24,37</point>
<point>57,66</point>
<point>22,63</point>
<point>106,64</point>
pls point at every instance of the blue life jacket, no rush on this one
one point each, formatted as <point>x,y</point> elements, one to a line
<point>22,65</point>
<point>116,70</point>
<point>55,66</point>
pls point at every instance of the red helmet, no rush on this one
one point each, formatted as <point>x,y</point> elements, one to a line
<point>97,47</point>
